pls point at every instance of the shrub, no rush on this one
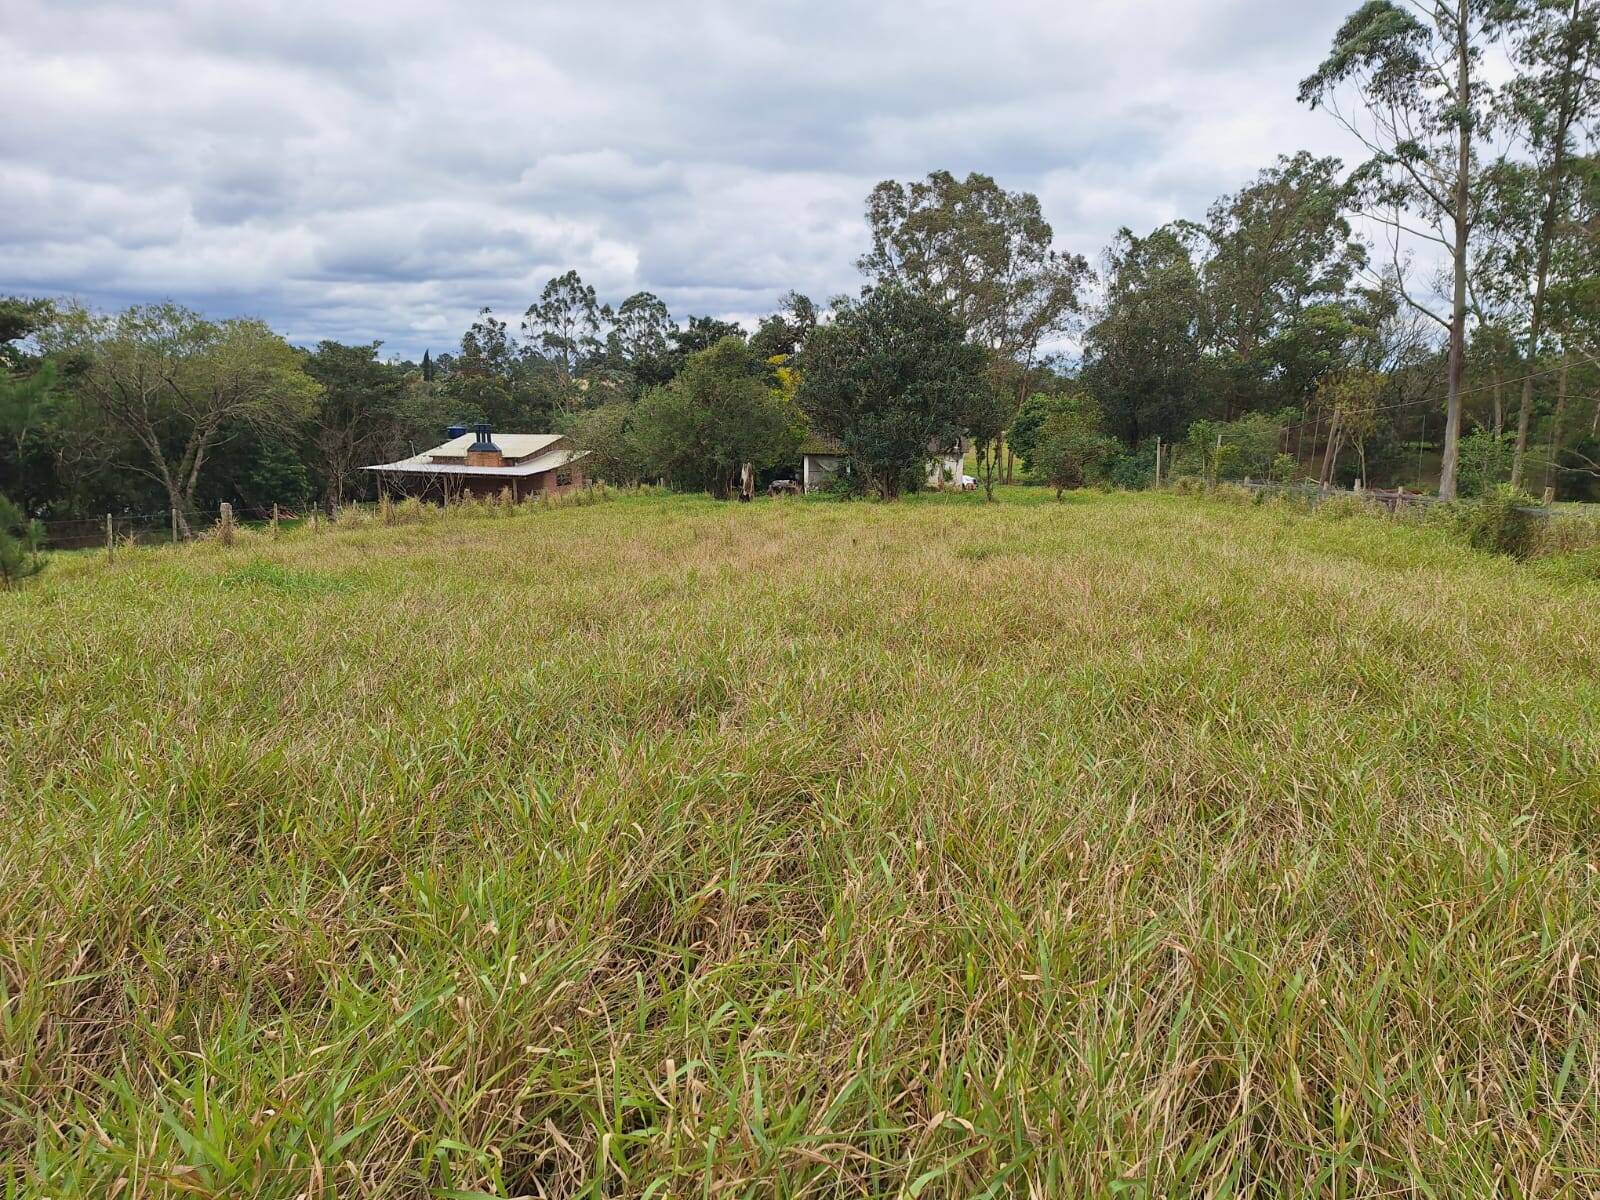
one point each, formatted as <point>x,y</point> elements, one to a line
<point>20,540</point>
<point>1132,472</point>
<point>1233,493</point>
<point>1500,522</point>
<point>1484,463</point>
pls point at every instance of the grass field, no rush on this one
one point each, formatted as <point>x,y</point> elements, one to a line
<point>1135,846</point>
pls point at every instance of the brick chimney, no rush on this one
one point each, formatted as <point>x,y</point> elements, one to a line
<point>483,452</point>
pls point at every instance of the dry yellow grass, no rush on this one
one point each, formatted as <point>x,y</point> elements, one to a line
<point>1135,846</point>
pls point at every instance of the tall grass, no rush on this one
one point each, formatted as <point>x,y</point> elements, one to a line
<point>1133,846</point>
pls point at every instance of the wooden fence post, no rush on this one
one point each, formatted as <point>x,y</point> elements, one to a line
<point>1549,496</point>
<point>1158,460</point>
<point>174,526</point>
<point>274,519</point>
<point>225,524</point>
<point>111,541</point>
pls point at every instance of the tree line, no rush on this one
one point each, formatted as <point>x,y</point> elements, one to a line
<point>1287,331</point>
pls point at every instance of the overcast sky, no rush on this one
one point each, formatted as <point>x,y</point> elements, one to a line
<point>362,170</point>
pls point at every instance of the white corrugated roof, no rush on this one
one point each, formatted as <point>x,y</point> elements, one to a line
<point>515,446</point>
<point>423,465</point>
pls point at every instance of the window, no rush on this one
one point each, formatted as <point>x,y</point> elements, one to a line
<point>564,477</point>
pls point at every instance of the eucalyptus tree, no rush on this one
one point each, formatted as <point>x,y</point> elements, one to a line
<point>1422,111</point>
<point>1277,253</point>
<point>564,324</point>
<point>1555,48</point>
<point>638,340</point>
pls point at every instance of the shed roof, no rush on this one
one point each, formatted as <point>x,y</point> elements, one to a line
<point>423,464</point>
<point>821,443</point>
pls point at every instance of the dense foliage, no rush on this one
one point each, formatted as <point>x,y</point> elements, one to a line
<point>891,378</point>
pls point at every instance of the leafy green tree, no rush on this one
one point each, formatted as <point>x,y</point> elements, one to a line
<point>1425,113</point>
<point>1144,353</point>
<point>987,255</point>
<point>718,414</point>
<point>784,332</point>
<point>20,542</point>
<point>27,388</point>
<point>639,341</point>
<point>357,417</point>
<point>1038,409</point>
<point>1280,257</point>
<point>702,333</point>
<point>892,378</point>
<point>177,385</point>
<point>1071,449</point>
<point>609,435</point>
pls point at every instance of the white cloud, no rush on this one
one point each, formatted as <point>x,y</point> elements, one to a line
<point>368,171</point>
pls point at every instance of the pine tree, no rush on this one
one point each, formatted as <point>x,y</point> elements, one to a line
<point>20,541</point>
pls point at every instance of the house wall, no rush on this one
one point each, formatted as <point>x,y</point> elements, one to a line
<point>946,471</point>
<point>819,470</point>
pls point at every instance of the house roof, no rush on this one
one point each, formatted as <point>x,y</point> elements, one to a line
<point>534,453</point>
<point>821,443</point>
<point>514,446</point>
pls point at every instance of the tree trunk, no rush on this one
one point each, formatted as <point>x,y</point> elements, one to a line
<point>180,507</point>
<point>1330,454</point>
<point>1555,423</point>
<point>1458,318</point>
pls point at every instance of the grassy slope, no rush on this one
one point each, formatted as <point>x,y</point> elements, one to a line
<point>673,848</point>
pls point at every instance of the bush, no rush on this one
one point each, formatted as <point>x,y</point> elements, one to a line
<point>1485,463</point>
<point>1233,493</point>
<point>1500,522</point>
<point>20,540</point>
<point>1132,472</point>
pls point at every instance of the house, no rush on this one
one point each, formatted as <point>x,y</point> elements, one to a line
<point>822,458</point>
<point>484,463</point>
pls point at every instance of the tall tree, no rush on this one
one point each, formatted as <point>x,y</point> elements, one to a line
<point>1279,251</point>
<point>987,254</point>
<point>1555,46</point>
<point>785,331</point>
<point>564,323</point>
<point>639,340</point>
<point>1423,110</point>
<point>179,385</point>
<point>1144,351</point>
<point>356,418</point>
<point>892,378</point>
<point>702,333</point>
